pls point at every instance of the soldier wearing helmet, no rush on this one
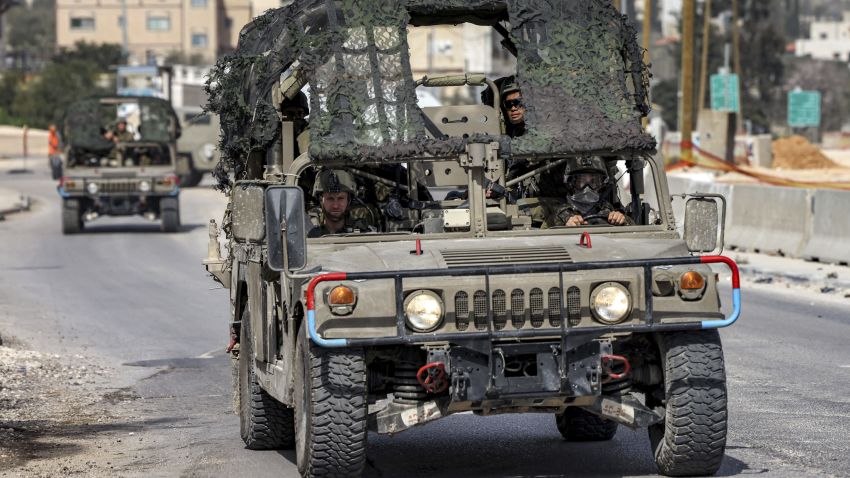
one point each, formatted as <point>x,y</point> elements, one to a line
<point>590,195</point>
<point>334,189</point>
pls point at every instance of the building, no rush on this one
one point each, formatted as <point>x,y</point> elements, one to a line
<point>155,28</point>
<point>828,40</point>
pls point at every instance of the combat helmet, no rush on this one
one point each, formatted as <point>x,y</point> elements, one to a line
<point>334,181</point>
<point>585,165</point>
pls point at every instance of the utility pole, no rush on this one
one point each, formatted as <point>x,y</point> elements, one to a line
<point>736,53</point>
<point>125,43</point>
<point>706,40</point>
<point>687,100</point>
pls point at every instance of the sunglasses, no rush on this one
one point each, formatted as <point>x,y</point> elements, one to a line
<point>513,103</point>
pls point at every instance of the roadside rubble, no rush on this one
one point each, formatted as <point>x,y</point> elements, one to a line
<point>825,280</point>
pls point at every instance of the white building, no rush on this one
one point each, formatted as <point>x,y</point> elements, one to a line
<point>828,41</point>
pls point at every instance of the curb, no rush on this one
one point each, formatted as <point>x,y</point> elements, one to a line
<point>23,204</point>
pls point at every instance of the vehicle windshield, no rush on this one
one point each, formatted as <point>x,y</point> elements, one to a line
<point>558,194</point>
<point>120,132</point>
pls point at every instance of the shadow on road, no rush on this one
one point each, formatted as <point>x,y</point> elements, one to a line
<point>135,228</point>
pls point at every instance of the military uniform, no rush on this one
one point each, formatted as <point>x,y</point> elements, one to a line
<point>565,212</point>
<point>353,223</point>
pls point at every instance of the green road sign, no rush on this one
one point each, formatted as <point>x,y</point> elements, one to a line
<point>724,92</point>
<point>803,108</point>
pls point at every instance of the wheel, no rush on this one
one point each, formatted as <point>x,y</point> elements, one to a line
<point>192,179</point>
<point>577,424</point>
<point>72,218</point>
<point>692,439</point>
<point>331,410</point>
<point>264,423</point>
<point>169,212</point>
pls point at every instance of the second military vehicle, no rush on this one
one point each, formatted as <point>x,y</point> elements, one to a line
<point>119,161</point>
<point>481,260</point>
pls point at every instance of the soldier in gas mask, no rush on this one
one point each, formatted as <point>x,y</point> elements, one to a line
<point>591,196</point>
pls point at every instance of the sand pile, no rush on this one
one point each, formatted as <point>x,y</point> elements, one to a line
<point>796,152</point>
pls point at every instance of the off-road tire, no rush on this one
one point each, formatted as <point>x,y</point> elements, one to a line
<point>692,439</point>
<point>72,217</point>
<point>331,410</point>
<point>264,423</point>
<point>577,424</point>
<point>169,213</point>
<point>192,179</point>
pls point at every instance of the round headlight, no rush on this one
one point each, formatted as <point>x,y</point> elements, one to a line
<point>91,188</point>
<point>610,303</point>
<point>145,186</point>
<point>208,151</point>
<point>423,310</point>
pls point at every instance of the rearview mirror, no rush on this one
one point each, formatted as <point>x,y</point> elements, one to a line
<point>703,223</point>
<point>285,207</point>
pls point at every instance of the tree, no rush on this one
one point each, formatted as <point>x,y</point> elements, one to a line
<point>177,57</point>
<point>32,30</point>
<point>103,56</point>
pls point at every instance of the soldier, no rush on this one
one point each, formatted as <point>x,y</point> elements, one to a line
<point>513,108</point>
<point>591,197</point>
<point>335,189</point>
<point>122,135</point>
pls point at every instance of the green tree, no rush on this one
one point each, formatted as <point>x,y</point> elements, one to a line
<point>103,56</point>
<point>32,30</point>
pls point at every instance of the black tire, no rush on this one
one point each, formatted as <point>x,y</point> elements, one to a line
<point>577,424</point>
<point>192,179</point>
<point>692,439</point>
<point>169,213</point>
<point>264,423</point>
<point>331,410</point>
<point>72,217</point>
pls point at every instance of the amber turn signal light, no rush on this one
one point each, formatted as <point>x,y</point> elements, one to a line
<point>341,295</point>
<point>691,280</point>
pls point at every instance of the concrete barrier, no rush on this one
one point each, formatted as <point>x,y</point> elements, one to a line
<point>829,234</point>
<point>769,219</point>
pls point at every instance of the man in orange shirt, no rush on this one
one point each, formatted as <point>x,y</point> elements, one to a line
<point>54,152</point>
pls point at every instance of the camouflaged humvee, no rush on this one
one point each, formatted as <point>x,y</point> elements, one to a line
<point>469,294</point>
<point>110,171</point>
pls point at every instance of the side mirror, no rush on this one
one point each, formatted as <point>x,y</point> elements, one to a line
<point>704,222</point>
<point>285,207</point>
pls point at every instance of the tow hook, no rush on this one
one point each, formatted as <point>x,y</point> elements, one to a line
<point>610,361</point>
<point>584,240</point>
<point>433,378</point>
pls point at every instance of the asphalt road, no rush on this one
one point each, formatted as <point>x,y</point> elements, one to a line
<point>139,301</point>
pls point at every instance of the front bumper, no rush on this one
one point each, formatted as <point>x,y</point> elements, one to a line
<point>565,331</point>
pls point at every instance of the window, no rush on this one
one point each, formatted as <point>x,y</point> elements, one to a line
<point>82,23</point>
<point>159,23</point>
<point>823,36</point>
<point>228,22</point>
<point>199,40</point>
<point>120,20</point>
<point>199,3</point>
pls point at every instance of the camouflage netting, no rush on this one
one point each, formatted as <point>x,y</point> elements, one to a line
<point>85,121</point>
<point>579,66</point>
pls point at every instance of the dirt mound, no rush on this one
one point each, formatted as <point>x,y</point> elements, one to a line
<point>796,152</point>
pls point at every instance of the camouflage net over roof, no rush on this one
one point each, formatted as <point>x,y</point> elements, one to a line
<point>85,120</point>
<point>579,66</point>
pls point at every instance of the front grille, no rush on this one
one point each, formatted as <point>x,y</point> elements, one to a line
<point>541,306</point>
<point>117,186</point>
<point>461,310</point>
<point>486,257</point>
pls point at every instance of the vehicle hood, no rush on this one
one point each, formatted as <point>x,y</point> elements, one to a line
<point>447,253</point>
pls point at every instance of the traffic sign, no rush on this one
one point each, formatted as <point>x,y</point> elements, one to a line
<point>724,92</point>
<point>803,108</point>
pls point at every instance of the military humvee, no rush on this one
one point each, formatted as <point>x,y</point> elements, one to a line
<point>197,145</point>
<point>119,173</point>
<point>465,301</point>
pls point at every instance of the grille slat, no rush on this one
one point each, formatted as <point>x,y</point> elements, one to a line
<point>518,308</point>
<point>479,307</point>
<point>461,310</point>
<point>554,307</point>
<point>574,305</point>
<point>535,299</point>
<point>500,314</point>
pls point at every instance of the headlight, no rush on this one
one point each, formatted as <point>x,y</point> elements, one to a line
<point>208,151</point>
<point>91,188</point>
<point>144,186</point>
<point>610,303</point>
<point>423,310</point>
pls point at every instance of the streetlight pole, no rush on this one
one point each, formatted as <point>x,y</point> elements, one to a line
<point>687,79</point>
<point>706,40</point>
